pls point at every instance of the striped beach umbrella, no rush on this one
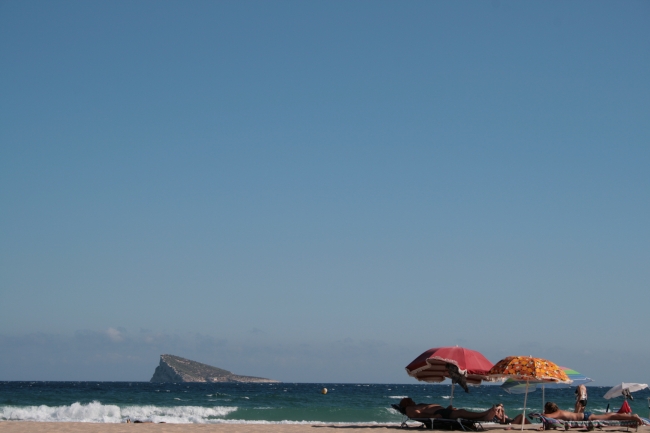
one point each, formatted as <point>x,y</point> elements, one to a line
<point>461,365</point>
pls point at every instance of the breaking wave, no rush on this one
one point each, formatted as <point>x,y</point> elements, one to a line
<point>106,413</point>
<point>97,412</point>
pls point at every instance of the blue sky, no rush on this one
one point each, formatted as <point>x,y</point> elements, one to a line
<point>320,191</point>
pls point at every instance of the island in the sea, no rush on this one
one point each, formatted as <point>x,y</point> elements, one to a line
<point>176,369</point>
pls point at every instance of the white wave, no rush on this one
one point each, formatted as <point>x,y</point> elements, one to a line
<point>177,414</point>
<point>398,396</point>
<point>96,412</point>
<point>322,423</point>
<point>77,412</point>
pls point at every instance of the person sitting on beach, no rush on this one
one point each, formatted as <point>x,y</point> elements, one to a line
<point>581,399</point>
<point>423,410</point>
<point>551,410</point>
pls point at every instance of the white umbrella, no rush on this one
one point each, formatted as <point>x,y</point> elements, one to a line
<point>619,389</point>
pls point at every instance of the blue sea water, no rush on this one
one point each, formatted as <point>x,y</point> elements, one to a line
<point>115,402</point>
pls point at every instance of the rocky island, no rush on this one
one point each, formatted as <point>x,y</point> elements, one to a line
<point>176,369</point>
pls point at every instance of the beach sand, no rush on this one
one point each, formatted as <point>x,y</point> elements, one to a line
<point>79,427</point>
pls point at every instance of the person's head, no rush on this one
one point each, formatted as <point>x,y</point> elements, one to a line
<point>406,402</point>
<point>550,407</point>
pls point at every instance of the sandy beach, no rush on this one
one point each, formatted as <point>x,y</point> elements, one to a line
<point>42,427</point>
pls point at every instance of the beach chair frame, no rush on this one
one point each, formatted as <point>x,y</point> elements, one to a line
<point>552,423</point>
<point>439,423</point>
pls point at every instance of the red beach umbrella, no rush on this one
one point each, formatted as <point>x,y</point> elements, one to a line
<point>457,363</point>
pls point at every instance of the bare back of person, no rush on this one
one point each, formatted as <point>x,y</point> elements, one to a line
<point>565,415</point>
<point>421,410</point>
<point>424,410</point>
<point>581,399</point>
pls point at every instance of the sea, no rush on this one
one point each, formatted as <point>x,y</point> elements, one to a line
<point>266,403</point>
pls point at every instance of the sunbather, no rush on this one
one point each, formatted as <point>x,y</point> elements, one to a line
<point>503,418</point>
<point>581,399</point>
<point>551,410</point>
<point>437,411</point>
<point>517,420</point>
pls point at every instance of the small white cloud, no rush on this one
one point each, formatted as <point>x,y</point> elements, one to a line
<point>114,335</point>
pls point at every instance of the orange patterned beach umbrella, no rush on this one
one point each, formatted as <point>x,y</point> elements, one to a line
<point>528,369</point>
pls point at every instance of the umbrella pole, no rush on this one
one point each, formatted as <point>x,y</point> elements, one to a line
<point>543,399</point>
<point>523,414</point>
<point>452,395</point>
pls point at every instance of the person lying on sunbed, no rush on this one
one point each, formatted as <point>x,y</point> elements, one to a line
<point>551,410</point>
<point>517,420</point>
<point>422,410</point>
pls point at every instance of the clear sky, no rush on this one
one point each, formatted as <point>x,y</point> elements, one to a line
<point>319,191</point>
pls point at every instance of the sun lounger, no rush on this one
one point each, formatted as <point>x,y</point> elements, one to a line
<point>552,423</point>
<point>440,423</point>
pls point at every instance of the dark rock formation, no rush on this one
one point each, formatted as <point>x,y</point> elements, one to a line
<point>176,369</point>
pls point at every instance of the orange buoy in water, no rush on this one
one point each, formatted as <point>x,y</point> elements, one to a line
<point>323,391</point>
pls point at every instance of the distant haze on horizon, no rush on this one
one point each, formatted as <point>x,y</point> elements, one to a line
<point>321,191</point>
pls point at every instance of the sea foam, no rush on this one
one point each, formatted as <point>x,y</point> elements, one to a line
<point>106,413</point>
<point>96,412</point>
<point>76,412</point>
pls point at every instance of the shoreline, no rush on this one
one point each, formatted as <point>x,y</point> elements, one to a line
<point>83,427</point>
